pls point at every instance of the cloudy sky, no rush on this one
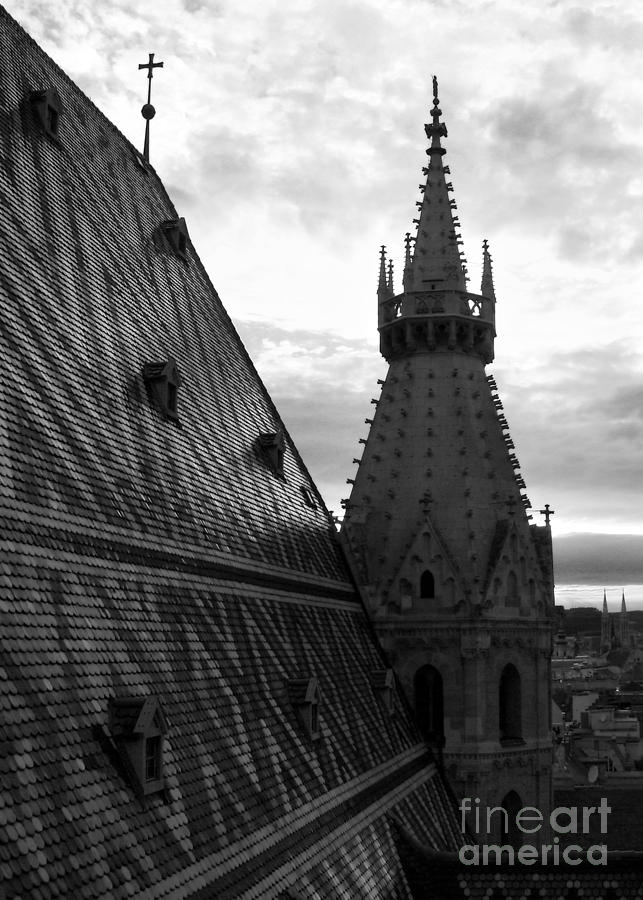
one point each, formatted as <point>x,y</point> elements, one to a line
<point>289,133</point>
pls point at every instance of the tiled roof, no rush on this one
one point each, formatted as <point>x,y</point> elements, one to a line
<point>166,561</point>
<point>88,299</point>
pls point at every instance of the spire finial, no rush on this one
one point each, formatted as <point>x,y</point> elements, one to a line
<point>148,112</point>
<point>436,129</point>
<point>389,281</point>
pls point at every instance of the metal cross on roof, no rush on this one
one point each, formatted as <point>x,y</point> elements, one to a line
<point>148,112</point>
<point>547,513</point>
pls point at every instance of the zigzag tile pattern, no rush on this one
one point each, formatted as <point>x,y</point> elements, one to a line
<point>237,761</point>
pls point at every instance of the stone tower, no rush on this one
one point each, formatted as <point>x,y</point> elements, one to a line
<point>458,582</point>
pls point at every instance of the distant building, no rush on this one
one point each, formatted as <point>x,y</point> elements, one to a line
<point>565,646</point>
<point>608,737</point>
<point>615,629</point>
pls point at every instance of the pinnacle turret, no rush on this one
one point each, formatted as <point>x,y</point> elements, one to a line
<point>389,281</point>
<point>486,287</point>
<point>382,287</point>
<point>407,278</point>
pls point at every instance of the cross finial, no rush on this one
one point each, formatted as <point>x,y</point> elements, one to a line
<point>547,513</point>
<point>148,112</point>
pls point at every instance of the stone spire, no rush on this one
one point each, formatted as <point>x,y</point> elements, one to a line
<point>436,312</point>
<point>389,281</point>
<point>437,261</point>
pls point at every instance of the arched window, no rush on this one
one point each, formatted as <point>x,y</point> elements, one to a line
<point>429,704</point>
<point>510,704</point>
<point>511,834</point>
<point>427,585</point>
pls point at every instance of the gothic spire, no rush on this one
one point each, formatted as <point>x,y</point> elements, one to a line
<point>389,281</point>
<point>486,288</point>
<point>437,260</point>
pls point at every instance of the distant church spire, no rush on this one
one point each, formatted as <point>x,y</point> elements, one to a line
<point>606,636</point>
<point>148,112</point>
<point>437,261</point>
<point>623,624</point>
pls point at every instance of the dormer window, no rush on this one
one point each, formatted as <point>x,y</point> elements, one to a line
<point>48,108</point>
<point>163,381</point>
<point>138,726</point>
<point>305,697</point>
<point>273,445</point>
<point>383,684</point>
<point>175,234</point>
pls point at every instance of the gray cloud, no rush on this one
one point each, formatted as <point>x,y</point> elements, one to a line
<point>578,427</point>
<point>291,137</point>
